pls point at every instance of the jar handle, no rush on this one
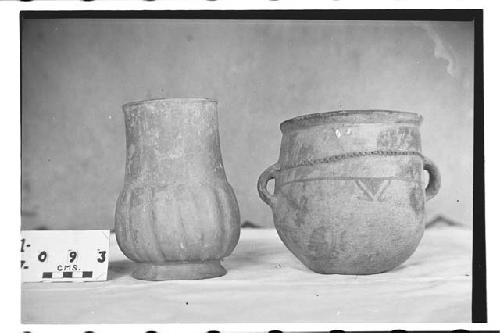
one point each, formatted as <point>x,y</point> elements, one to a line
<point>434,179</point>
<point>264,178</point>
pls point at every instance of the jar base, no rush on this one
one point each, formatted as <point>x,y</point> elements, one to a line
<point>179,270</point>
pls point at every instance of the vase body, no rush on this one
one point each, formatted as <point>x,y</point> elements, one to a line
<point>349,194</point>
<point>177,216</point>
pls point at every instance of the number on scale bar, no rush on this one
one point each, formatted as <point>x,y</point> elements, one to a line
<point>42,256</point>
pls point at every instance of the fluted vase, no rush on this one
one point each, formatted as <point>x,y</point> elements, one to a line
<point>177,216</point>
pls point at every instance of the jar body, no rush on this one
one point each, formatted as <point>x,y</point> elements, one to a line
<point>349,194</point>
<point>177,215</point>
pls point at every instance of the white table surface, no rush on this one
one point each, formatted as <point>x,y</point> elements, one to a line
<point>266,283</point>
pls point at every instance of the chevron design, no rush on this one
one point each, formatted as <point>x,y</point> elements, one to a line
<point>372,188</point>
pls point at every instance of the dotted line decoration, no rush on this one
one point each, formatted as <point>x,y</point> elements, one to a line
<point>340,157</point>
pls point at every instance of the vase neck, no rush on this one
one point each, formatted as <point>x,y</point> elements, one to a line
<point>173,141</point>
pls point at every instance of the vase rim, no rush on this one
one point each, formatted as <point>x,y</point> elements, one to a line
<point>170,100</point>
<point>351,116</point>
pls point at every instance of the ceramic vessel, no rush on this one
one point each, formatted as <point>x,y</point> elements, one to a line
<point>349,194</point>
<point>177,216</point>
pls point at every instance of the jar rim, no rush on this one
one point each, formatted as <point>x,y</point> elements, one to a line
<point>351,116</point>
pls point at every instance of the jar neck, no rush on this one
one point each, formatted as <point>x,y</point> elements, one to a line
<point>331,139</point>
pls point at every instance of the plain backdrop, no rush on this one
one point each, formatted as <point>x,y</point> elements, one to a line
<point>77,73</point>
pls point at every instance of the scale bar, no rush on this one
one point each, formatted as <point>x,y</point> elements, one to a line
<point>59,275</point>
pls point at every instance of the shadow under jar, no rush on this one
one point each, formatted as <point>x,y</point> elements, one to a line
<point>349,195</point>
<point>177,216</point>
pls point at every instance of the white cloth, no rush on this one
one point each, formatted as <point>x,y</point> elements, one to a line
<point>266,283</point>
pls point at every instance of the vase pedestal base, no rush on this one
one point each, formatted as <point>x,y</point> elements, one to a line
<point>179,270</point>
